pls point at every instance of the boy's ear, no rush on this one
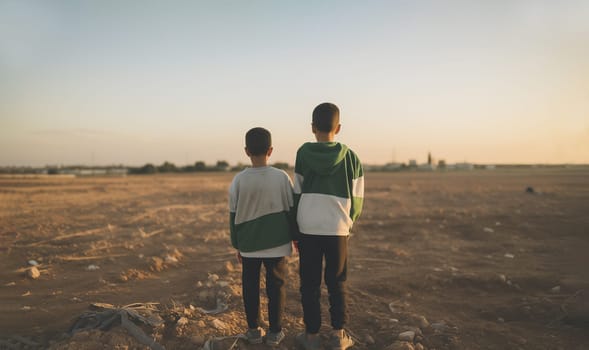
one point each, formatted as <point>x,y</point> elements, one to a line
<point>313,129</point>
<point>269,151</point>
<point>339,126</point>
<point>247,151</point>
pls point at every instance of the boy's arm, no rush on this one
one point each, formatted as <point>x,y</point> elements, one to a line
<point>297,190</point>
<point>232,210</point>
<point>291,214</point>
<point>357,189</point>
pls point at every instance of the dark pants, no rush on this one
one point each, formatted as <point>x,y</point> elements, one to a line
<point>312,249</point>
<point>275,278</point>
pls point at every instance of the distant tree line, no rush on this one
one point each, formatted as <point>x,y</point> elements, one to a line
<point>149,168</point>
<point>200,166</point>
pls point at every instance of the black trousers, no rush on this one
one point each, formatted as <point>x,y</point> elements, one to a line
<point>312,250</point>
<point>275,290</point>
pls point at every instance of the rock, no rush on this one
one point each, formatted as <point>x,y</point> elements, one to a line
<point>418,346</point>
<point>401,345</point>
<point>229,266</point>
<point>392,307</point>
<point>419,320</point>
<point>201,324</point>
<point>223,284</point>
<point>170,259</point>
<point>530,190</point>
<point>182,321</point>
<point>33,272</point>
<point>509,256</point>
<point>369,340</point>
<point>213,277</point>
<point>555,290</point>
<point>33,263</point>
<point>406,336</point>
<point>92,267</point>
<point>488,230</point>
<point>156,264</point>
<point>502,278</point>
<point>218,324</point>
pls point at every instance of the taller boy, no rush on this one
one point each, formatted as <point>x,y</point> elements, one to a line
<point>329,193</point>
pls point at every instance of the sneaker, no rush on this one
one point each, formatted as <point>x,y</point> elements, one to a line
<point>255,336</point>
<point>307,343</point>
<point>340,343</point>
<point>274,338</point>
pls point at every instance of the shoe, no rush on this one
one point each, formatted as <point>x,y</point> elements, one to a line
<point>255,336</point>
<point>340,343</point>
<point>274,338</point>
<point>307,343</point>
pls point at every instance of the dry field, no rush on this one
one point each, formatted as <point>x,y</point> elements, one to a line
<point>465,260</point>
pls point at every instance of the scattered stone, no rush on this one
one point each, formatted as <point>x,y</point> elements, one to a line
<point>156,264</point>
<point>33,272</point>
<point>418,346</point>
<point>213,277</point>
<point>33,263</point>
<point>26,308</point>
<point>393,320</point>
<point>392,307</point>
<point>502,278</point>
<point>555,290</point>
<point>92,267</point>
<point>419,320</point>
<point>229,266</point>
<point>170,259</point>
<point>182,321</point>
<point>369,339</point>
<point>488,230</point>
<point>509,256</point>
<point>201,324</point>
<point>501,320</point>
<point>497,223</point>
<point>530,190</point>
<point>218,324</point>
<point>406,336</point>
<point>223,284</point>
<point>10,284</point>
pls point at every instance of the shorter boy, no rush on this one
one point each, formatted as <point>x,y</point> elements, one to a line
<point>260,203</point>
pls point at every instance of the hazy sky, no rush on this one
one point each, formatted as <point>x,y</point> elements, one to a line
<point>108,82</point>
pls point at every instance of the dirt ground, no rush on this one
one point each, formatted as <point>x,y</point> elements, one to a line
<point>465,260</point>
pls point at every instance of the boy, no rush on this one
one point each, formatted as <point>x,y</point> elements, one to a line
<point>329,191</point>
<point>260,202</point>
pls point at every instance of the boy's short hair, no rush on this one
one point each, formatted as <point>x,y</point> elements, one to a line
<point>326,117</point>
<point>258,141</point>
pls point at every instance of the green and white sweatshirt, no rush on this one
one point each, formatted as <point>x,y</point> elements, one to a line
<point>260,212</point>
<point>329,188</point>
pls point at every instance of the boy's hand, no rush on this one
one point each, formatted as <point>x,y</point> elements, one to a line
<point>295,244</point>
<point>238,256</point>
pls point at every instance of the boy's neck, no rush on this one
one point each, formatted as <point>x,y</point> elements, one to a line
<point>259,161</point>
<point>324,136</point>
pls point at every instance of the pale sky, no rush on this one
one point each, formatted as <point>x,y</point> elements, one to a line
<point>132,82</point>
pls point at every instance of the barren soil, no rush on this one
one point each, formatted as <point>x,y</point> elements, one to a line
<point>466,260</point>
